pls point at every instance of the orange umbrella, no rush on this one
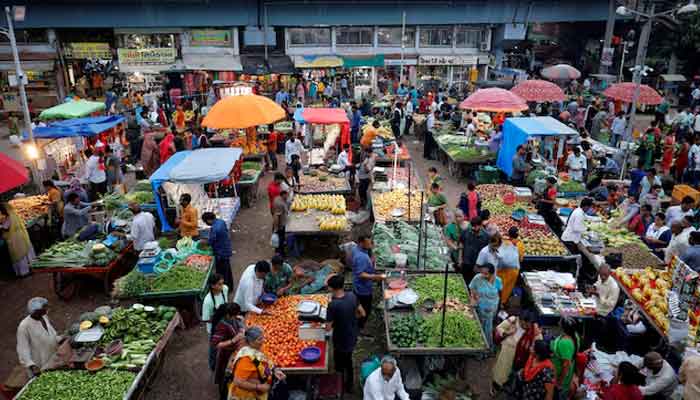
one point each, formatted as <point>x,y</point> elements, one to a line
<point>244,111</point>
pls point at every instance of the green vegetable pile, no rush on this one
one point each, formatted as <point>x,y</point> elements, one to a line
<point>431,287</point>
<point>251,165</point>
<point>407,331</point>
<point>133,355</point>
<point>140,197</point>
<point>460,331</point>
<point>113,201</point>
<point>448,387</point>
<point>179,277</point>
<point>69,253</point>
<point>405,236</point>
<point>133,284</point>
<point>497,207</point>
<point>142,186</point>
<point>571,186</point>
<point>79,385</point>
<point>458,140</point>
<point>136,324</point>
<point>461,153</point>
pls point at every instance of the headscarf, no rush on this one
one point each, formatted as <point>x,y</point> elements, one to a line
<point>253,333</point>
<point>17,237</point>
<point>36,304</point>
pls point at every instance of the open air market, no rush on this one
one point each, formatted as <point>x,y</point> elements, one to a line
<point>444,200</point>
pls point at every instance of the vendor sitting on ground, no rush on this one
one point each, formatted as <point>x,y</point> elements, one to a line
<point>279,280</point>
<point>661,379</point>
<point>310,277</point>
<point>37,340</point>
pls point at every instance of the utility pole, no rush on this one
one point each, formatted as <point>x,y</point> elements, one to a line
<point>20,75</point>
<point>639,67</point>
<point>403,36</point>
<point>609,28</point>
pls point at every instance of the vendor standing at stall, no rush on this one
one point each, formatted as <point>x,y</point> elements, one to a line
<point>37,340</point>
<point>187,222</point>
<point>95,174</point>
<point>143,227</point>
<point>75,215</point>
<point>220,243</point>
<point>250,287</point>
<point>545,204</point>
<point>55,198</point>
<point>519,167</point>
<point>364,275</point>
<point>577,164</point>
<point>437,203</point>
<point>575,226</point>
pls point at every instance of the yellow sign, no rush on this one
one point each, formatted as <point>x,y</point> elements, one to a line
<point>88,50</point>
<point>155,56</point>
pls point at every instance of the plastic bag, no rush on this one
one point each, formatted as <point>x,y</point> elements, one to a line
<point>275,240</point>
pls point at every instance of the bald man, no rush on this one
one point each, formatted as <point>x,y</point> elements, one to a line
<point>606,290</point>
<point>661,378</point>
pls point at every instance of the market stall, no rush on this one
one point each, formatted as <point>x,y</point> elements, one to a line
<point>398,205</point>
<point>320,182</point>
<point>328,128</point>
<point>294,323</point>
<point>413,316</point>
<point>538,133</point>
<point>72,109</point>
<point>463,155</point>
<point>32,209</point>
<point>414,247</point>
<point>248,184</point>
<point>554,295</point>
<point>187,172</point>
<point>388,178</point>
<point>111,353</point>
<point>317,214</point>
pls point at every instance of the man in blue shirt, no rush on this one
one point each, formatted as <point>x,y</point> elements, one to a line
<point>281,96</point>
<point>220,243</point>
<point>692,256</point>
<point>355,124</point>
<point>363,276</point>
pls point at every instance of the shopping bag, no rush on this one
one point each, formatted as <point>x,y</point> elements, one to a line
<point>275,240</point>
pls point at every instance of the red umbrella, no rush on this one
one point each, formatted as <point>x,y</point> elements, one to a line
<point>561,72</point>
<point>495,100</point>
<point>13,173</point>
<point>625,92</point>
<point>539,91</point>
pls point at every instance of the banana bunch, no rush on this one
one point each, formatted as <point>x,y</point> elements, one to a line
<point>332,224</point>
<point>322,202</point>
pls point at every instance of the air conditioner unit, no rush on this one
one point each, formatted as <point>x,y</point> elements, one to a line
<point>484,46</point>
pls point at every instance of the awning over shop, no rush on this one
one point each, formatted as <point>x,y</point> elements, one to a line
<point>516,131</point>
<point>363,61</point>
<point>318,61</point>
<point>72,109</point>
<point>205,165</point>
<point>212,62</point>
<point>37,66</point>
<point>86,127</point>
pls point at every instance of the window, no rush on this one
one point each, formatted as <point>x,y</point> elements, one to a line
<point>436,36</point>
<point>27,36</point>
<point>354,36</point>
<point>146,41</point>
<point>309,36</point>
<point>391,37</point>
<point>469,37</point>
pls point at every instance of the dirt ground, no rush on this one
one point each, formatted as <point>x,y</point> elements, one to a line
<point>184,373</point>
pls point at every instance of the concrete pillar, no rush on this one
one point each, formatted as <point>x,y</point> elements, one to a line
<point>60,65</point>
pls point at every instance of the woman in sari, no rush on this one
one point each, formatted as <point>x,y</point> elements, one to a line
<point>518,335</point>
<point>150,154</point>
<point>252,370</point>
<point>669,148</point>
<point>14,233</point>
<point>536,379</point>
<point>226,339</point>
<point>484,290</point>
<point>167,147</point>
<point>681,159</point>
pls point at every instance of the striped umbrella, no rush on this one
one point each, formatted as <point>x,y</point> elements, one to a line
<point>561,72</point>
<point>538,91</point>
<point>625,92</point>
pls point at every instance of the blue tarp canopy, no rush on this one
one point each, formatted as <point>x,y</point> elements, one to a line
<point>200,166</point>
<point>86,127</point>
<point>516,131</point>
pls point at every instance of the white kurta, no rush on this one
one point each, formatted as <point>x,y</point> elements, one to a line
<point>377,388</point>
<point>36,344</point>
<point>249,290</point>
<point>575,226</point>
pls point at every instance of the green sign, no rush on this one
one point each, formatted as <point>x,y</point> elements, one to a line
<point>210,37</point>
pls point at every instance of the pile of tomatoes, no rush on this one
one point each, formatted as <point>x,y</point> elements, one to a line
<point>282,343</point>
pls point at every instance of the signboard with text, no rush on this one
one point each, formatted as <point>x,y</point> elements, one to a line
<point>154,56</point>
<point>448,60</point>
<point>210,37</point>
<point>88,50</point>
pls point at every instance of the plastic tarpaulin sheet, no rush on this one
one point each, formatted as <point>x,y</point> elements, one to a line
<point>86,127</point>
<point>72,109</point>
<point>516,132</point>
<point>161,175</point>
<point>205,165</point>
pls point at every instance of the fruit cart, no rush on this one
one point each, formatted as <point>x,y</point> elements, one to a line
<point>415,330</point>
<point>142,375</point>
<point>66,282</point>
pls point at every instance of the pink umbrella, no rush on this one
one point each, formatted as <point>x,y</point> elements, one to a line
<point>495,100</point>
<point>561,72</point>
<point>625,92</point>
<point>539,91</point>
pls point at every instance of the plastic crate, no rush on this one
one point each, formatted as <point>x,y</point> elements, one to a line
<point>680,191</point>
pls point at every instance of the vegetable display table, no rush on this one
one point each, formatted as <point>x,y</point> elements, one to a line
<point>65,279</point>
<point>306,223</point>
<point>462,167</point>
<point>248,189</point>
<point>415,330</point>
<point>331,185</point>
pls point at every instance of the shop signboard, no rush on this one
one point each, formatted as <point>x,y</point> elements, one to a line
<point>84,50</point>
<point>405,61</point>
<point>235,89</point>
<point>10,101</point>
<point>210,37</point>
<point>447,60</point>
<point>154,56</point>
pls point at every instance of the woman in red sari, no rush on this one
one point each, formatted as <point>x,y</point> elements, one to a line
<point>167,147</point>
<point>681,159</point>
<point>669,147</point>
<point>626,384</point>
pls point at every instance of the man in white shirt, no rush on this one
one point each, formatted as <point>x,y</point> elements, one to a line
<point>618,126</point>
<point>606,290</point>
<point>576,162</point>
<point>471,128</point>
<point>696,122</point>
<point>695,97</point>
<point>342,159</point>
<point>291,147</point>
<point>250,287</point>
<point>575,226</point>
<point>37,340</point>
<point>694,161</point>
<point>385,382</point>
<point>661,379</point>
<point>677,213</point>
<point>679,241</point>
<point>95,174</point>
<point>142,227</point>
<point>433,107</point>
